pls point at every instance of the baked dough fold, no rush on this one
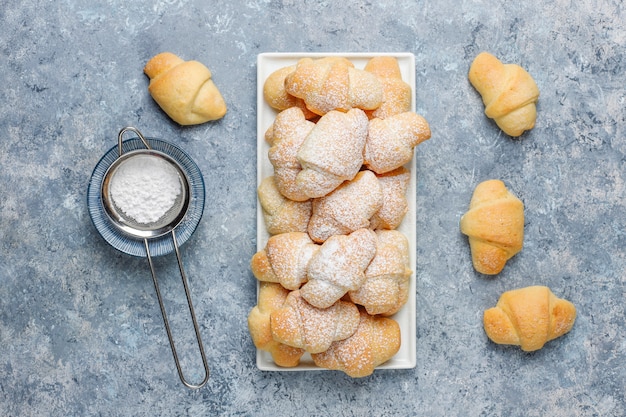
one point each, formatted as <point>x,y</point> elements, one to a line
<point>184,89</point>
<point>529,317</point>
<point>508,91</point>
<point>494,225</point>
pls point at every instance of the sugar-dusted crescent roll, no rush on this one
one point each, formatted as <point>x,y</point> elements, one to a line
<point>394,185</point>
<point>494,225</point>
<point>397,94</point>
<point>285,136</point>
<point>529,317</point>
<point>184,89</point>
<point>509,93</point>
<point>333,83</point>
<point>299,324</point>
<point>277,97</point>
<point>285,259</point>
<point>386,286</point>
<point>332,152</point>
<point>346,209</point>
<point>272,296</point>
<point>280,214</point>
<point>376,340</point>
<point>391,141</point>
<point>338,267</point>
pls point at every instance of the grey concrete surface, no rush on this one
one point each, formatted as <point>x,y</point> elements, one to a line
<point>80,329</point>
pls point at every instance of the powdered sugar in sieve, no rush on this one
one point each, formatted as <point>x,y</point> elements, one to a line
<point>145,188</point>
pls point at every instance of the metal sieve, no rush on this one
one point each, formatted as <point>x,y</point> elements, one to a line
<point>165,224</point>
<point>168,221</point>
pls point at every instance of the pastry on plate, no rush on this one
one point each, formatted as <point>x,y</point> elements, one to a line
<point>277,97</point>
<point>332,152</point>
<point>347,208</point>
<point>272,296</point>
<point>299,324</point>
<point>338,267</point>
<point>285,259</point>
<point>391,142</point>
<point>376,340</point>
<point>280,214</point>
<point>387,277</point>
<point>333,83</point>
<point>397,93</point>
<point>394,185</point>
<point>285,137</point>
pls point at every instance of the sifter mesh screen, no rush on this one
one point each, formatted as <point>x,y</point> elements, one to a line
<point>147,191</point>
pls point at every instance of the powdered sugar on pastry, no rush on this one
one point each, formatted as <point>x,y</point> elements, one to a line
<point>365,91</point>
<point>348,208</point>
<point>301,325</point>
<point>375,341</point>
<point>390,142</point>
<point>386,285</point>
<point>332,83</point>
<point>280,214</point>
<point>286,136</point>
<point>271,297</point>
<point>338,267</point>
<point>284,259</point>
<point>277,97</point>
<point>332,152</point>
<point>395,205</point>
<point>396,93</point>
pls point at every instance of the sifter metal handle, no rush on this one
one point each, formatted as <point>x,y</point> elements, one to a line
<point>191,311</point>
<point>135,131</point>
<point>160,231</point>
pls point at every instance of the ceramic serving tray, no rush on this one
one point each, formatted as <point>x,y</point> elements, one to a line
<point>270,62</point>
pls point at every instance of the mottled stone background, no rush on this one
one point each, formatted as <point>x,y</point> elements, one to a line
<point>80,329</point>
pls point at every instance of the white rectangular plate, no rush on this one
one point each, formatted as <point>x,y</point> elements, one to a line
<point>267,63</point>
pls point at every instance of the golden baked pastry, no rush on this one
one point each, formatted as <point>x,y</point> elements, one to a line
<point>394,185</point>
<point>271,297</point>
<point>299,324</point>
<point>338,267</point>
<point>397,94</point>
<point>277,97</point>
<point>494,224</point>
<point>508,92</point>
<point>529,317</point>
<point>285,136</point>
<point>285,259</point>
<point>387,277</point>
<point>376,340</point>
<point>347,208</point>
<point>391,141</point>
<point>280,214</point>
<point>332,83</point>
<point>332,152</point>
<point>184,89</point>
